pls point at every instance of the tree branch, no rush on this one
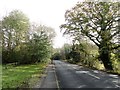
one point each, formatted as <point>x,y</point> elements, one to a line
<point>116,47</point>
<point>117,32</point>
<point>90,37</point>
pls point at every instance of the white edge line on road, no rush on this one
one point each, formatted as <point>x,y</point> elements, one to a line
<point>56,80</point>
<point>93,76</point>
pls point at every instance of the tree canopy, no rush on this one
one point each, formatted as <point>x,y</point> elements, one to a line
<point>23,42</point>
<point>99,22</point>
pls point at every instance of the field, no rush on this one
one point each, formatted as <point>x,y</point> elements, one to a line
<point>20,76</point>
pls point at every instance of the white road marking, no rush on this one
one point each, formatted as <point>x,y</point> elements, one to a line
<point>95,71</point>
<point>114,76</point>
<point>93,76</point>
<point>81,86</point>
<point>87,72</point>
<point>57,82</point>
<point>115,81</point>
<point>74,67</point>
<point>117,86</point>
<point>81,71</point>
<point>68,65</point>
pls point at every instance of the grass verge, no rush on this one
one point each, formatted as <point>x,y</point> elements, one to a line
<point>20,76</point>
<point>0,76</point>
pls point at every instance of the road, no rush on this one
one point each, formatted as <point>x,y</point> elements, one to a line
<point>65,75</point>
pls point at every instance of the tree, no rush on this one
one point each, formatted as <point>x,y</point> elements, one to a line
<point>14,29</point>
<point>38,46</point>
<point>16,25</point>
<point>99,22</point>
<point>67,49</point>
<point>20,45</point>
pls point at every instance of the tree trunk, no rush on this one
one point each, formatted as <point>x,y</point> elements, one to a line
<point>105,58</point>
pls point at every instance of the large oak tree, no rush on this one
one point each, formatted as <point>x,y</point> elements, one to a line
<point>99,22</point>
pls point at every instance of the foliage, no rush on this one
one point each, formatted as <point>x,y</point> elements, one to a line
<point>56,56</point>
<point>0,76</point>
<point>25,43</point>
<point>99,22</point>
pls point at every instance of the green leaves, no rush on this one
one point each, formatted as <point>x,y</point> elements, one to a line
<point>16,20</point>
<point>24,43</point>
<point>96,20</point>
<point>91,19</point>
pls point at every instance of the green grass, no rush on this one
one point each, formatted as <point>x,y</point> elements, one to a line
<point>0,76</point>
<point>13,77</point>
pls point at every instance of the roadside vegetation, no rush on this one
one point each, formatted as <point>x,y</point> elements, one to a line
<point>0,76</point>
<point>26,49</point>
<point>95,31</point>
<point>23,76</point>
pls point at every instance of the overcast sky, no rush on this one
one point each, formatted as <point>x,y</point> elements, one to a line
<point>47,12</point>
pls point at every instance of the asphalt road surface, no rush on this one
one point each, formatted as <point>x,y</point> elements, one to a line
<point>65,75</point>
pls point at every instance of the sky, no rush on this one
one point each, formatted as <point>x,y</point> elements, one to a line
<point>46,12</point>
